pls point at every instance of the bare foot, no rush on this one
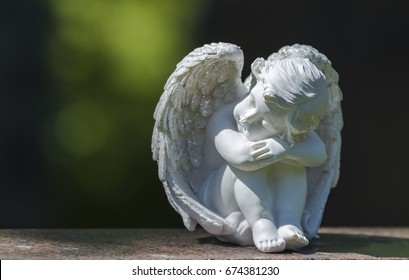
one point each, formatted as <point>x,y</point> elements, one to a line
<point>293,236</point>
<point>266,237</point>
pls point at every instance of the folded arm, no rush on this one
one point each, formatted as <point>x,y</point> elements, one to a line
<point>237,150</point>
<point>311,152</point>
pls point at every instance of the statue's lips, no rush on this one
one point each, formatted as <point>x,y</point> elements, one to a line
<point>243,122</point>
<point>246,131</point>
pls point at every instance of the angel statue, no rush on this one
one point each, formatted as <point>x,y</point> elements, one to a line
<point>252,162</point>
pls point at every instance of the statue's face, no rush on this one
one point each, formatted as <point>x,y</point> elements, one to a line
<point>257,121</point>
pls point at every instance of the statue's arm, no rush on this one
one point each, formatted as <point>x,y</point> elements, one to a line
<point>232,146</point>
<point>311,152</point>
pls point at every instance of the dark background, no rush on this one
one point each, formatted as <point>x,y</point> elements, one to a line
<point>79,81</point>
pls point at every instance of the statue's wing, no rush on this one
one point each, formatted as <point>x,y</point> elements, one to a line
<point>323,178</point>
<point>206,79</point>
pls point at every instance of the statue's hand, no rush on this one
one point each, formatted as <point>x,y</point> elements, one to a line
<point>268,150</point>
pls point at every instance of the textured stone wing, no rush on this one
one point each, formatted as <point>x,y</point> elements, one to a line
<point>206,79</point>
<point>323,178</point>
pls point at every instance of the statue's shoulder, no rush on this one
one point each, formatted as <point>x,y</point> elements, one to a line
<point>223,118</point>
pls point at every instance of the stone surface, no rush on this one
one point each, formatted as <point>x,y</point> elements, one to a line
<point>112,244</point>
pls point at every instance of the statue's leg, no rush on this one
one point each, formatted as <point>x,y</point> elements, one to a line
<point>254,197</point>
<point>217,194</point>
<point>291,192</point>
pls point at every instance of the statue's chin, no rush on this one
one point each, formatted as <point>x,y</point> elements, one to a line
<point>252,135</point>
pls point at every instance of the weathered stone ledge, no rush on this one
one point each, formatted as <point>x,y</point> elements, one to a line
<point>113,244</point>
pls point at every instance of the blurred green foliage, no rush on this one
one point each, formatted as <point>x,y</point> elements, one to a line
<point>109,62</point>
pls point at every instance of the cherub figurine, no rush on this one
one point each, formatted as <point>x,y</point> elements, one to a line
<point>252,163</point>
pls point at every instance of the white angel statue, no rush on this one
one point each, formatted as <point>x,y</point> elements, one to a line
<point>252,162</point>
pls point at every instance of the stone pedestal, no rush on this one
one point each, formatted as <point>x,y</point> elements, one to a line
<point>114,244</point>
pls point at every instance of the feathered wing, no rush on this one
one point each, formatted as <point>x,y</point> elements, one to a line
<point>323,178</point>
<point>204,80</point>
